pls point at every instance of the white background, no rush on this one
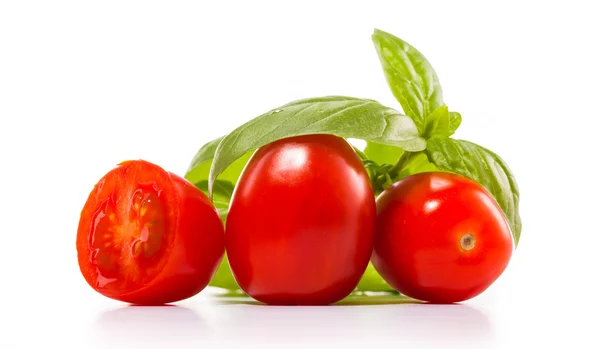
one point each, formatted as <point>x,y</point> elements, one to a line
<point>85,85</point>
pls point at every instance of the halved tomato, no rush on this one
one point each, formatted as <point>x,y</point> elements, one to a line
<point>148,236</point>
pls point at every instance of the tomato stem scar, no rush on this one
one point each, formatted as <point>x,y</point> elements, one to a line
<point>467,242</point>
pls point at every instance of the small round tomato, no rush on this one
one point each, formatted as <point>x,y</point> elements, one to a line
<point>301,223</point>
<point>148,236</point>
<point>440,238</point>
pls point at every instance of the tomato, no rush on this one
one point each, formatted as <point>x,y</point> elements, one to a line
<point>301,223</point>
<point>440,238</point>
<point>147,236</point>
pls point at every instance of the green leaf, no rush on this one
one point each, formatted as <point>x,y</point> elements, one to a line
<point>411,78</point>
<point>372,281</point>
<point>437,124</point>
<point>483,166</point>
<point>441,123</point>
<point>360,153</point>
<point>418,163</point>
<point>346,117</point>
<point>223,277</point>
<point>383,154</point>
<point>222,192</point>
<point>222,189</point>
<point>455,120</point>
<point>197,170</point>
<point>200,167</point>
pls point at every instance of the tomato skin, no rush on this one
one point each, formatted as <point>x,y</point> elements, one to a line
<point>301,223</point>
<point>196,241</point>
<point>418,248</point>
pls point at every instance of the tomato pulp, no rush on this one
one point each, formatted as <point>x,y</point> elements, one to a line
<point>440,238</point>
<point>148,236</point>
<point>301,223</point>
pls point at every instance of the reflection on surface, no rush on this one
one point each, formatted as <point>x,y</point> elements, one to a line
<point>382,320</point>
<point>383,299</point>
<point>241,322</point>
<point>137,326</point>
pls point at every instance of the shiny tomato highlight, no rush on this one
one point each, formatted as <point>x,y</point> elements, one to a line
<point>440,238</point>
<point>301,223</point>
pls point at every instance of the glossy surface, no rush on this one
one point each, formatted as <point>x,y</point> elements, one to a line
<point>148,236</point>
<point>301,225</point>
<point>440,238</point>
<point>85,81</point>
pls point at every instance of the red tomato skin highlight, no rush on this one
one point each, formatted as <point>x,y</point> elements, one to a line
<point>196,246</point>
<point>421,220</point>
<point>301,223</point>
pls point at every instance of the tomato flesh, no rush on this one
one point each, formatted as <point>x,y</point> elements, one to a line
<point>128,241</point>
<point>139,233</point>
<point>440,238</point>
<point>301,223</point>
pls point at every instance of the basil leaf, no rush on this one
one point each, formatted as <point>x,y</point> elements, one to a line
<point>441,123</point>
<point>372,281</point>
<point>383,154</point>
<point>360,153</point>
<point>483,166</point>
<point>411,78</point>
<point>203,158</point>
<point>455,120</point>
<point>418,163</point>
<point>223,277</point>
<point>437,124</point>
<point>200,167</point>
<point>346,117</point>
<point>222,189</point>
<point>222,192</point>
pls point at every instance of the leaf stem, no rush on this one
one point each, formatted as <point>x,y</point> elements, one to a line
<point>386,175</point>
<point>400,164</point>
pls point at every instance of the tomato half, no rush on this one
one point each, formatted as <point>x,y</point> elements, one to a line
<point>301,223</point>
<point>440,238</point>
<point>148,236</point>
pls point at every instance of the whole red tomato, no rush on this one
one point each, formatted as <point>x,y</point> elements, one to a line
<point>440,238</point>
<point>147,236</point>
<point>301,223</point>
